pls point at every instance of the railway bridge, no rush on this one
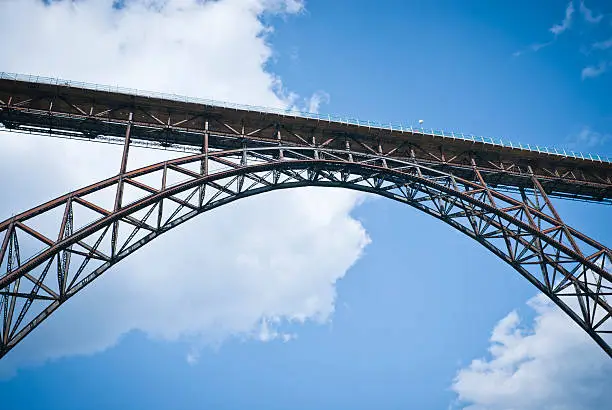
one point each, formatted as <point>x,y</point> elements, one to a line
<point>498,193</point>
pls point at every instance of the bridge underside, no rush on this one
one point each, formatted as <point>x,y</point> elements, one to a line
<point>499,196</point>
<point>66,111</point>
<point>95,231</point>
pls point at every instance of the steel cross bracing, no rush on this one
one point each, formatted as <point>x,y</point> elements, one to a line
<point>524,230</point>
<point>498,196</point>
<point>66,110</point>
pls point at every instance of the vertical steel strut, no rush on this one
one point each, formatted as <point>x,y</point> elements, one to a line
<point>204,162</point>
<point>122,170</point>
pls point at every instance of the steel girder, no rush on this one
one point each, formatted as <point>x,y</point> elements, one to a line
<point>97,226</point>
<point>97,113</point>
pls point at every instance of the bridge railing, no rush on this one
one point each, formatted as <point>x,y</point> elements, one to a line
<point>495,141</point>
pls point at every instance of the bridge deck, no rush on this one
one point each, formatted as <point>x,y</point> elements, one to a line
<point>63,109</point>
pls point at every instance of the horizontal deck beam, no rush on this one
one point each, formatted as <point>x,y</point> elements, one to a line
<point>62,109</point>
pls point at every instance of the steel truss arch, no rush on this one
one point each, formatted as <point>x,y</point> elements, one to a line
<point>523,228</point>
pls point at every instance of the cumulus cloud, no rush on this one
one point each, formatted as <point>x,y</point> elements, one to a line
<point>567,21</point>
<point>551,365</point>
<point>239,271</point>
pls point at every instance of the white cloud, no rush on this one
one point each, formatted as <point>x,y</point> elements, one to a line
<point>193,357</point>
<point>262,261</point>
<point>315,101</point>
<point>594,71</point>
<point>588,14</point>
<point>602,45</point>
<point>534,47</point>
<point>556,29</point>
<point>588,138</point>
<point>554,365</point>
<point>567,21</point>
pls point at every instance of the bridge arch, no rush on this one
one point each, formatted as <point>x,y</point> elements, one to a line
<point>521,228</point>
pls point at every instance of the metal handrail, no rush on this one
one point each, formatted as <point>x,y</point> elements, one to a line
<point>309,115</point>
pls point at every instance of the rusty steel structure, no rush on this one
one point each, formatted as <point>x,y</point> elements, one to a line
<point>498,194</point>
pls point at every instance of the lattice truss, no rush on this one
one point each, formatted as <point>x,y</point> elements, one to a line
<point>50,253</point>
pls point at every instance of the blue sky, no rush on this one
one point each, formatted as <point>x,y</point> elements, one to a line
<point>453,65</point>
<point>421,302</point>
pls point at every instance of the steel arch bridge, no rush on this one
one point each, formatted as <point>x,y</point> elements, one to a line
<point>499,195</point>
